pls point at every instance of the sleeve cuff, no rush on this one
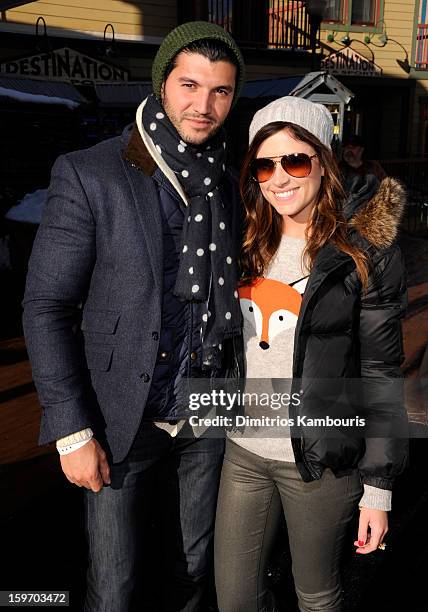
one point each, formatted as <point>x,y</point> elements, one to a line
<point>375,498</point>
<point>78,436</point>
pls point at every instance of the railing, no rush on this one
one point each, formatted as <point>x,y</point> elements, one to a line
<point>289,25</point>
<point>221,13</point>
<point>414,174</point>
<point>275,24</point>
<point>421,57</point>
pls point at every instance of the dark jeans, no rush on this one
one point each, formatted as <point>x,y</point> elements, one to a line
<point>185,471</point>
<point>253,493</point>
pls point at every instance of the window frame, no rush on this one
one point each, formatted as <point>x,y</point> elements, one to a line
<point>345,25</point>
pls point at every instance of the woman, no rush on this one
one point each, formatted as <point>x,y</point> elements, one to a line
<point>301,239</point>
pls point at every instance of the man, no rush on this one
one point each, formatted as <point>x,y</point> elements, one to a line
<point>354,164</point>
<point>139,242</point>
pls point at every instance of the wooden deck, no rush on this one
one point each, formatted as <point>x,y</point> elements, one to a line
<point>19,409</point>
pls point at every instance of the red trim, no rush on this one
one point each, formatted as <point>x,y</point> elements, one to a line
<point>421,56</point>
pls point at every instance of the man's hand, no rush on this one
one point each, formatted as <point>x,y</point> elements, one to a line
<point>87,466</point>
<point>367,541</point>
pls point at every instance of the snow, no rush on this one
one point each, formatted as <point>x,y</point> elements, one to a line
<point>30,208</point>
<point>28,97</point>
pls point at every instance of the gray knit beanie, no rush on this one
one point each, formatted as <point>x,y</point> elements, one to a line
<point>315,118</point>
<point>184,35</point>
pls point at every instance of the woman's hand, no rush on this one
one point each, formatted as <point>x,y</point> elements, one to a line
<point>377,521</point>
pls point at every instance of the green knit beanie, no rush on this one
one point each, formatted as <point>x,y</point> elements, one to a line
<point>184,35</point>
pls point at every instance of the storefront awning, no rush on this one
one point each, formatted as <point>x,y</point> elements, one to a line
<point>40,92</point>
<point>123,94</point>
<point>270,88</point>
<point>303,86</point>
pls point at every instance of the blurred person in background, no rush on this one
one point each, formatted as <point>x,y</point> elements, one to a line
<point>354,164</point>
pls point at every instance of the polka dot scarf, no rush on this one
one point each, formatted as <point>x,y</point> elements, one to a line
<point>207,270</point>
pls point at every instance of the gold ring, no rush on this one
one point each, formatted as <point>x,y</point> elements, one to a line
<point>382,546</point>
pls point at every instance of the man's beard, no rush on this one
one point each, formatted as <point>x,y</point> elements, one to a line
<point>189,138</point>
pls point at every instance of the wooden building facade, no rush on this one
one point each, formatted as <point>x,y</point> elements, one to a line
<point>377,48</point>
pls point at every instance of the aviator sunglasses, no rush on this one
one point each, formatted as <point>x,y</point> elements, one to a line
<point>297,165</point>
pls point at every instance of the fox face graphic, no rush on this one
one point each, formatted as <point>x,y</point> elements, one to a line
<point>271,307</point>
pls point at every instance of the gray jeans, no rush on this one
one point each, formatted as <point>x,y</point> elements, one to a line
<point>253,492</point>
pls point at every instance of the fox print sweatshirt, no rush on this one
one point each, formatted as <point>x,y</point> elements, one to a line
<point>270,309</point>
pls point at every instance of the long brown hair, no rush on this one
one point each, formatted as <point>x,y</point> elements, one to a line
<point>264,225</point>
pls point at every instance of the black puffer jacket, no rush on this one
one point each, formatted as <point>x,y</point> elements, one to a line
<point>347,335</point>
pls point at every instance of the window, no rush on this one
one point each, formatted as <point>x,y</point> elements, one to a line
<point>421,51</point>
<point>333,10</point>
<point>353,12</point>
<point>363,11</point>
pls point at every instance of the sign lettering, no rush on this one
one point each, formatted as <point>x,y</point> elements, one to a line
<point>348,62</point>
<point>65,65</point>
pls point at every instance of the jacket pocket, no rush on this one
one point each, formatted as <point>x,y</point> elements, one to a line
<point>100,321</point>
<point>98,357</point>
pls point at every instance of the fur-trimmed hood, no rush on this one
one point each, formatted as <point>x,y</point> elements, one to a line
<point>374,210</point>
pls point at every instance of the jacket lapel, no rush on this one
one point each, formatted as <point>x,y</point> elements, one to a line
<point>329,259</point>
<point>139,167</point>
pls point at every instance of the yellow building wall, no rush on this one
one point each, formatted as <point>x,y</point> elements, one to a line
<point>151,18</point>
<point>146,19</point>
<point>398,17</point>
<point>398,23</point>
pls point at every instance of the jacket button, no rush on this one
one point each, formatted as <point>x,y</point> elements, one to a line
<point>155,335</point>
<point>193,356</point>
<point>145,377</point>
